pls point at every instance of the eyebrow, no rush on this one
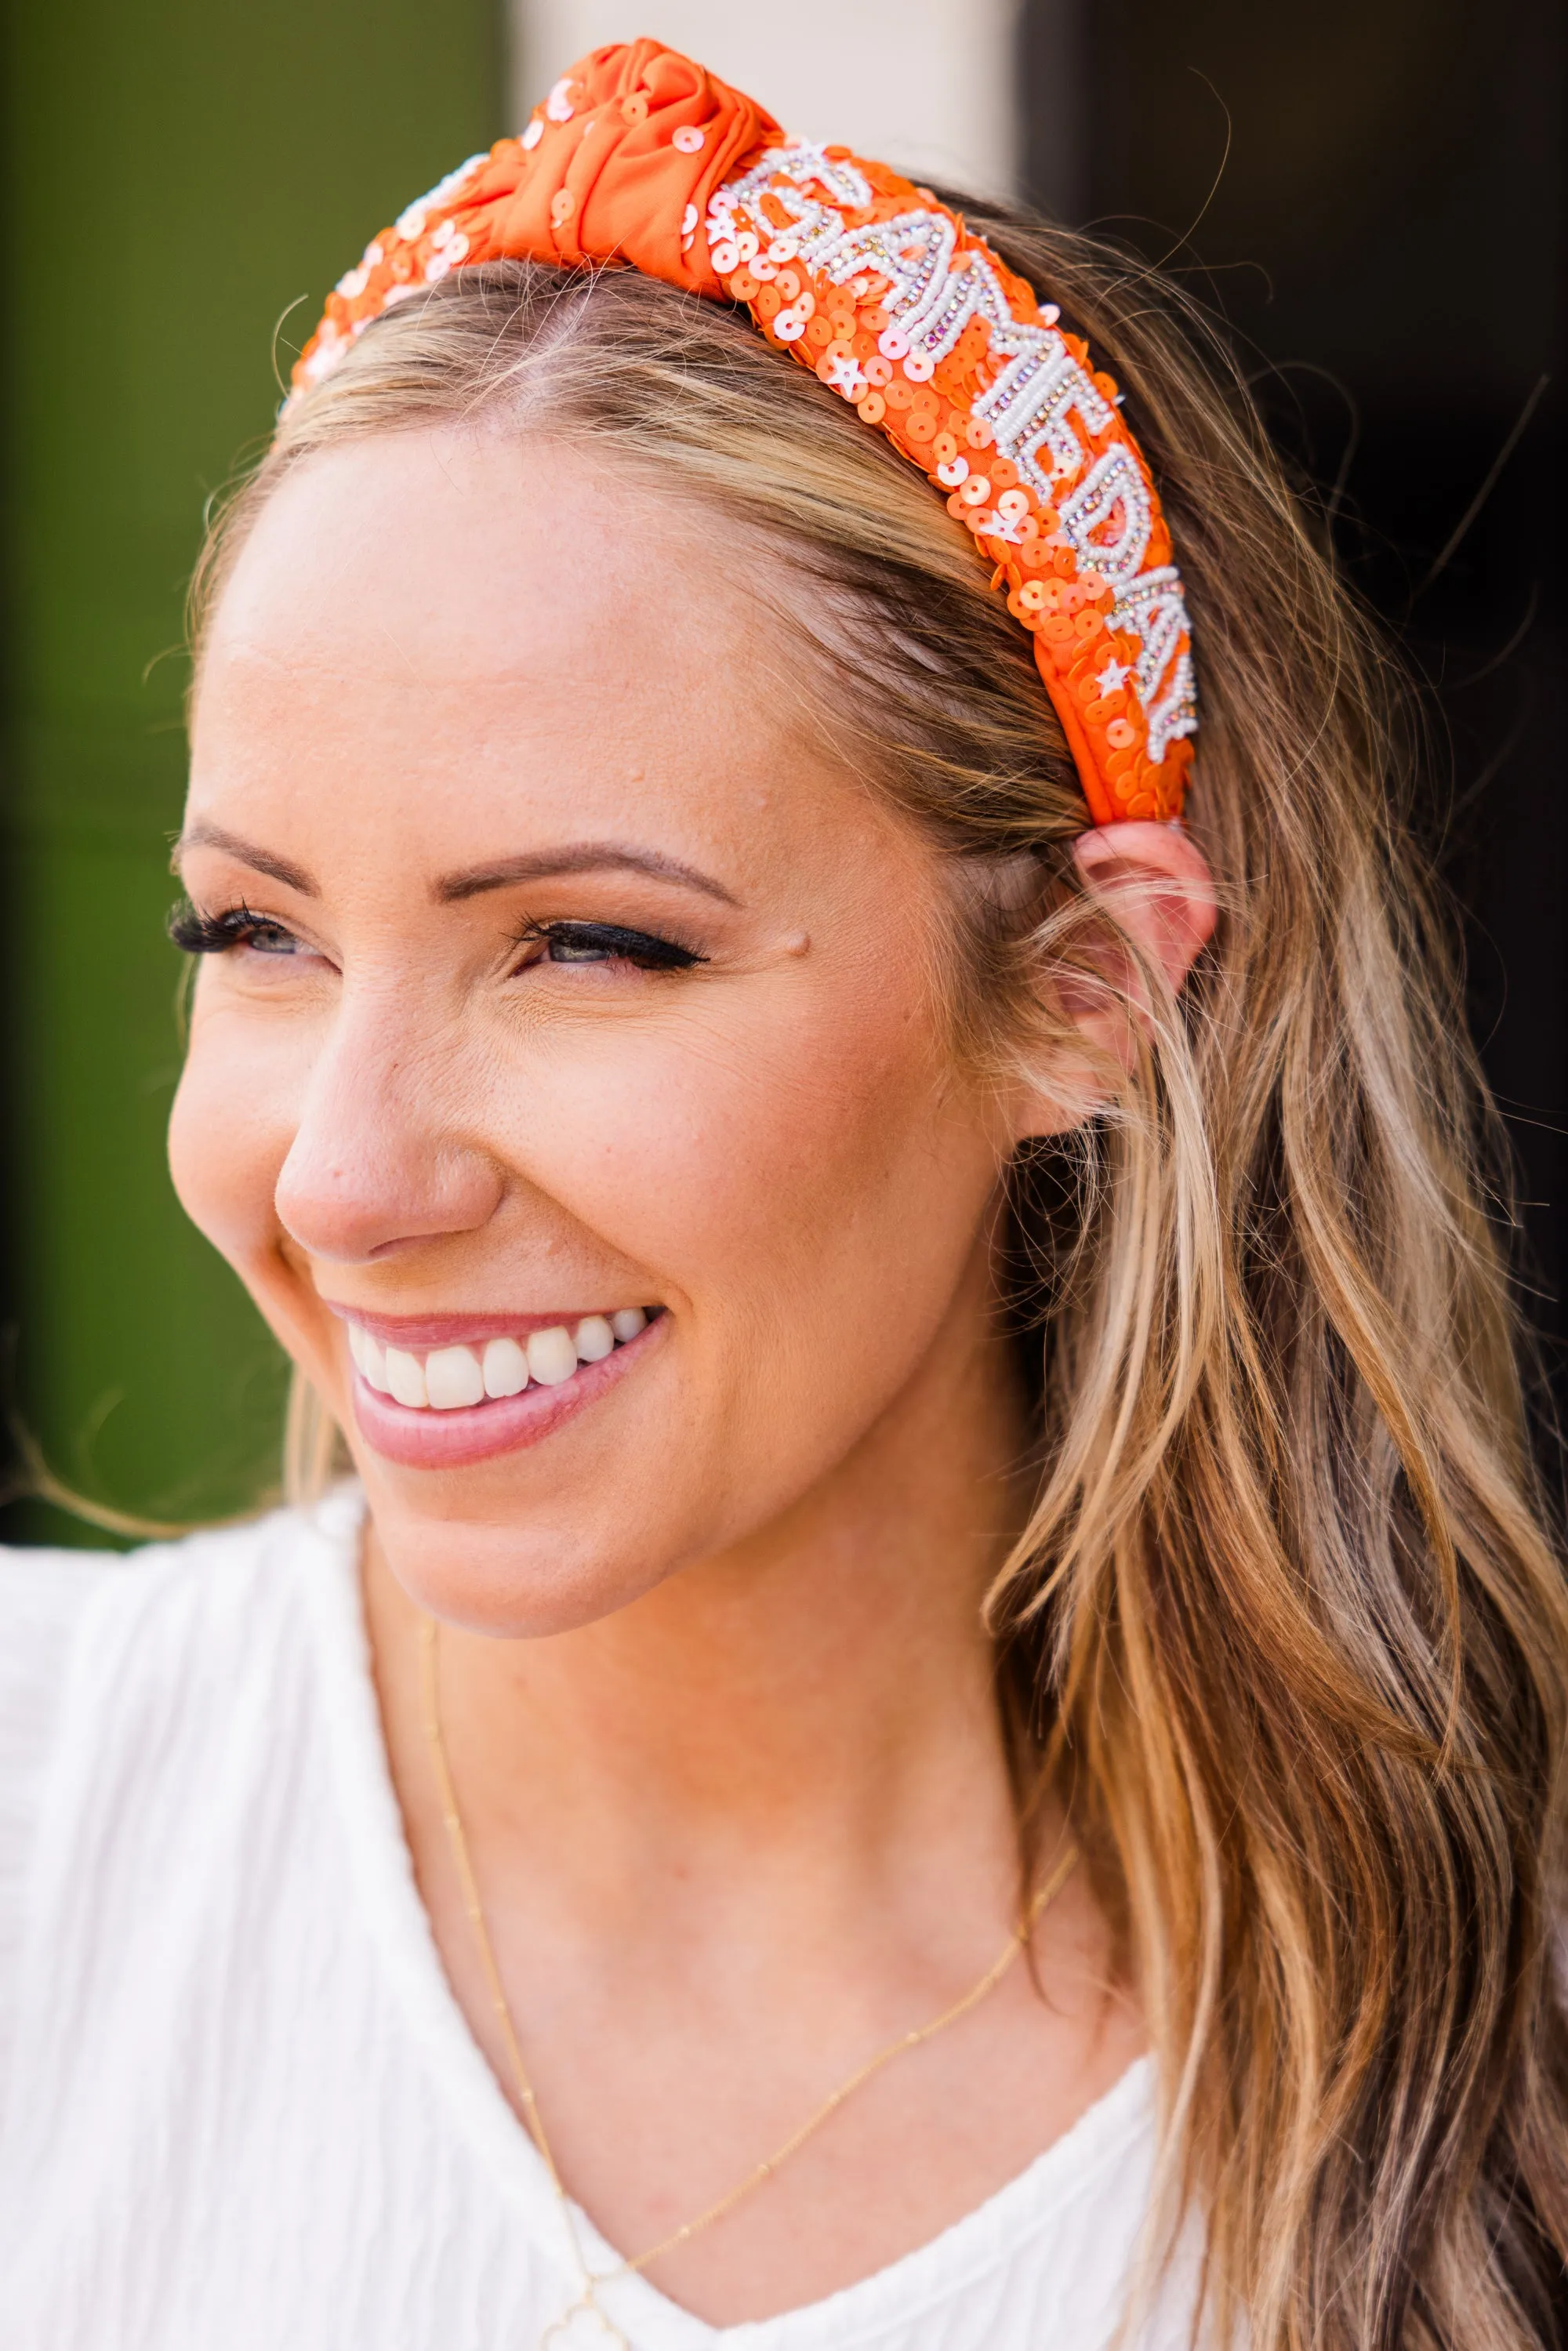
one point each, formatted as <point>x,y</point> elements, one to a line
<point>581,857</point>
<point>246,852</point>
<point>500,873</point>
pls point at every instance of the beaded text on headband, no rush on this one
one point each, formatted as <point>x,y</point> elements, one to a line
<point>638,155</point>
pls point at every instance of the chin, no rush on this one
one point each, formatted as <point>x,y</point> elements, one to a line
<point>519,1579</point>
<point>508,1512</point>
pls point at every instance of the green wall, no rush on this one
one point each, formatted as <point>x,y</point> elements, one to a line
<point>179,173</point>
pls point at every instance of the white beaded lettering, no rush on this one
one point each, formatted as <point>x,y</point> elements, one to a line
<point>1043,407</point>
<point>1113,493</point>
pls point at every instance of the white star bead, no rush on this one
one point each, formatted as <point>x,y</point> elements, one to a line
<point>1114,675</point>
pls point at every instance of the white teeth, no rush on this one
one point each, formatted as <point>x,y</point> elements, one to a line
<point>593,1339</point>
<point>450,1378</point>
<point>405,1377</point>
<point>453,1378</point>
<point>552,1358</point>
<point>505,1368</point>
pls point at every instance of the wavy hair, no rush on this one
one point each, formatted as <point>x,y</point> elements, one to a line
<point>1288,1625</point>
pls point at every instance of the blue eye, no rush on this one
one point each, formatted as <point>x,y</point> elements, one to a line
<point>267,938</point>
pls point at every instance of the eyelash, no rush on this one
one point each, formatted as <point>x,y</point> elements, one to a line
<point>609,942</point>
<point>198,933</point>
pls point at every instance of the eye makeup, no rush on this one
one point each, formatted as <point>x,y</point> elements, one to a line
<point>601,943</point>
<point>562,942</point>
<point>197,933</point>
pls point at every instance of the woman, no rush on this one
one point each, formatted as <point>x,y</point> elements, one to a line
<point>935,1714</point>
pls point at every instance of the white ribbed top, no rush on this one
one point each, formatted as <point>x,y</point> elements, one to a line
<point>242,2111</point>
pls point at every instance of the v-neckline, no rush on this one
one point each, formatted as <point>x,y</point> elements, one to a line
<point>381,1870</point>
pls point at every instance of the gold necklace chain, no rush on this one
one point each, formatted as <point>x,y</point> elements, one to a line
<point>588,2304</point>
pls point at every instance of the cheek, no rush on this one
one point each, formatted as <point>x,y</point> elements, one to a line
<point>770,1164</point>
<point>231,1126</point>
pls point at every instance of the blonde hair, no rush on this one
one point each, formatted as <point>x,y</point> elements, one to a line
<point>1287,1623</point>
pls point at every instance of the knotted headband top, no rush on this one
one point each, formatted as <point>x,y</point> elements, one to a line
<point>639,157</point>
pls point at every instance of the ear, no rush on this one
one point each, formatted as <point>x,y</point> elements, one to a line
<point>1155,883</point>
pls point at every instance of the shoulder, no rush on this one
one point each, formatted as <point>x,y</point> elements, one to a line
<point>45,1596</point>
<point>117,1669</point>
<point>139,1611</point>
<point>142,1609</point>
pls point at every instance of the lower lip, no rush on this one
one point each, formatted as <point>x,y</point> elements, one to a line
<point>422,1439</point>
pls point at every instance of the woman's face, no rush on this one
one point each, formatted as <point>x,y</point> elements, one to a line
<point>563,974</point>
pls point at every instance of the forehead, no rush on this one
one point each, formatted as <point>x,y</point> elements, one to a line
<point>445,617</point>
<point>471,554</point>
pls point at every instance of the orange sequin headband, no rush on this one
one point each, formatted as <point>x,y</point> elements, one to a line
<point>639,156</point>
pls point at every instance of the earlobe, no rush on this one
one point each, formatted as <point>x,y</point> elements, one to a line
<point>1155,883</point>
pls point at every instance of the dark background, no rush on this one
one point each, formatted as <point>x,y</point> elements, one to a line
<point>1371,196</point>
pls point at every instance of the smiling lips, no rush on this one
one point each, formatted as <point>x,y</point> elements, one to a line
<point>456,1390</point>
<point>447,1379</point>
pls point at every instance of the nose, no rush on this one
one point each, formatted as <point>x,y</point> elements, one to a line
<point>380,1159</point>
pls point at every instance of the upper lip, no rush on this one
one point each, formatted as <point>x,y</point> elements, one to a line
<point>421,1331</point>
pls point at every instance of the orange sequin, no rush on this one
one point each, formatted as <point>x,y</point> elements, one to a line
<point>877,287</point>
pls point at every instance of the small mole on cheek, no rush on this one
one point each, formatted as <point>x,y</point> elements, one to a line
<point>797,944</point>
